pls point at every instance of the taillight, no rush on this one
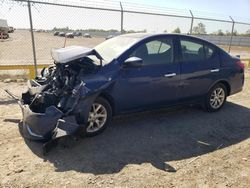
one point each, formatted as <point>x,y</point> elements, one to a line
<point>240,64</point>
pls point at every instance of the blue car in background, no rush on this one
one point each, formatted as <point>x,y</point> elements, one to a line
<point>127,73</point>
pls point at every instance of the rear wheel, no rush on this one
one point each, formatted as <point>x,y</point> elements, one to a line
<point>216,98</point>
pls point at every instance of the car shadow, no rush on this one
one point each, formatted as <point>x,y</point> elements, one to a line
<point>153,137</point>
<point>7,102</point>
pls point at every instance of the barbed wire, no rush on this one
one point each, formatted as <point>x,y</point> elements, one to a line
<point>114,5</point>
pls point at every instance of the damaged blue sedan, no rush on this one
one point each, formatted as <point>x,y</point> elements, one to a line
<point>128,73</point>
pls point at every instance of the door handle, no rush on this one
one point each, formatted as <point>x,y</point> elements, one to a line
<point>170,75</point>
<point>215,70</point>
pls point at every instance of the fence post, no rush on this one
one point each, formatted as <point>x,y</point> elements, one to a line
<point>32,38</point>
<point>121,17</point>
<point>192,22</point>
<point>232,32</point>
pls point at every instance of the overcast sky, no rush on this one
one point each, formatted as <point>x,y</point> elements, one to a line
<point>47,17</point>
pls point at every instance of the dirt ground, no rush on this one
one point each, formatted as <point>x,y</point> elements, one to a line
<point>180,147</point>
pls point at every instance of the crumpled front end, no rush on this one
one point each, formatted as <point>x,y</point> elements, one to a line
<point>46,116</point>
<point>50,106</point>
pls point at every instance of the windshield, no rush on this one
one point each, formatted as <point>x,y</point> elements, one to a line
<point>114,47</point>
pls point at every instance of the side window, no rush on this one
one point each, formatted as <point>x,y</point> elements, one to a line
<point>153,46</point>
<point>157,47</point>
<point>155,52</point>
<point>209,51</point>
<point>191,50</point>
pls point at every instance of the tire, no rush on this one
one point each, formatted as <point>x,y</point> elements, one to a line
<point>92,129</point>
<point>216,98</point>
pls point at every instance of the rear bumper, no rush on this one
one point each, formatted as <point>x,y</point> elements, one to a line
<point>234,91</point>
<point>237,83</point>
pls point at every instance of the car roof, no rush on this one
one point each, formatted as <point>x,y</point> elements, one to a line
<point>146,35</point>
<point>137,35</point>
<point>149,35</point>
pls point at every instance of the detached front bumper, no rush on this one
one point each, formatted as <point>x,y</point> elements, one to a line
<point>40,126</point>
<point>46,126</point>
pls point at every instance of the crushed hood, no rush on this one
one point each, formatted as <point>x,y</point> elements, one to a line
<point>67,54</point>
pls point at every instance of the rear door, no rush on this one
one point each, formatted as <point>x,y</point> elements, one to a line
<point>200,66</point>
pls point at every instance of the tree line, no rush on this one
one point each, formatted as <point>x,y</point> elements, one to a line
<point>67,29</point>
<point>200,29</point>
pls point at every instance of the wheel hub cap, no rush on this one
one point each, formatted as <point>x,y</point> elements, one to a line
<point>217,98</point>
<point>97,118</point>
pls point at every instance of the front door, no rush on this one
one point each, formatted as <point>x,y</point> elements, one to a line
<point>153,84</point>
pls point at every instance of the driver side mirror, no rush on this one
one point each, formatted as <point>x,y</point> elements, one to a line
<point>133,62</point>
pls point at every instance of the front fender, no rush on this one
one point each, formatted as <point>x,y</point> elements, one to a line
<point>84,105</point>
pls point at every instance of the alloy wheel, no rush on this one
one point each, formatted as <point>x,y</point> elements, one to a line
<point>217,98</point>
<point>97,118</point>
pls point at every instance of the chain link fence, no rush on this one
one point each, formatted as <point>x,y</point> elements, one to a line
<point>42,25</point>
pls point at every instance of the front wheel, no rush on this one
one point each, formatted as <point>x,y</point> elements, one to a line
<point>216,98</point>
<point>100,116</point>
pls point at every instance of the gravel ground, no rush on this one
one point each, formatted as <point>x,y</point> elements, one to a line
<point>180,147</point>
